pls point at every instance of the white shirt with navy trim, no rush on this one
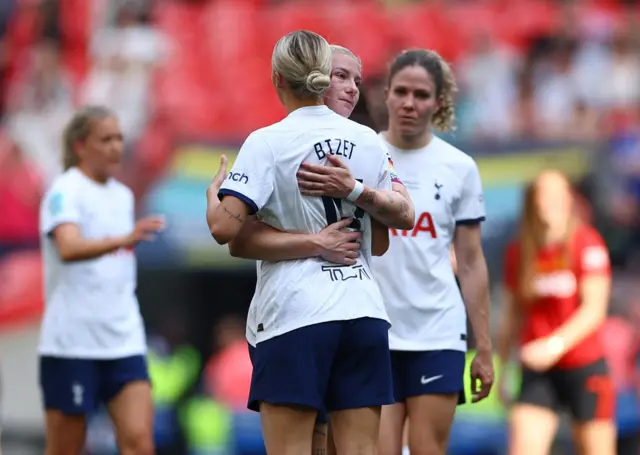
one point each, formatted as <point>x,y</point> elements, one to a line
<point>294,294</point>
<point>91,309</point>
<point>415,275</point>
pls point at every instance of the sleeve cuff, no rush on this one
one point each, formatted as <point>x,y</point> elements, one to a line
<point>470,221</point>
<point>247,200</point>
<point>48,230</point>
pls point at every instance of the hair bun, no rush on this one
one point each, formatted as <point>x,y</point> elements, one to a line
<point>317,82</point>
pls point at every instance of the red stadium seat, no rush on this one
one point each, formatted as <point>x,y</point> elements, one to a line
<point>364,29</point>
<point>21,294</point>
<point>422,26</point>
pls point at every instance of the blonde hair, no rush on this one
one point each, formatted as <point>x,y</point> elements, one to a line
<point>78,129</point>
<point>303,59</point>
<point>446,87</point>
<point>336,49</point>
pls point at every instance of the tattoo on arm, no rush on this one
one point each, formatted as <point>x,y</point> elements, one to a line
<point>233,215</point>
<point>319,431</point>
<point>320,452</point>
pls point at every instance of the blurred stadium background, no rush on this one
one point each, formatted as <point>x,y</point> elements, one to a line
<point>543,83</point>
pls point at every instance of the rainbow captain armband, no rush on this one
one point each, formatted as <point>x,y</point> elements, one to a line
<point>393,172</point>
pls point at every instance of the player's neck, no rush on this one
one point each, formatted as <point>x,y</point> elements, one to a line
<point>292,104</point>
<point>101,179</point>
<point>405,142</point>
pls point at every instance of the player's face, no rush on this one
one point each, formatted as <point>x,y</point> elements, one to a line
<point>411,100</point>
<point>102,149</point>
<point>554,199</point>
<point>346,77</point>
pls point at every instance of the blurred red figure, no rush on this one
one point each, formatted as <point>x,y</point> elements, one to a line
<point>558,280</point>
<point>20,191</point>
<point>228,373</point>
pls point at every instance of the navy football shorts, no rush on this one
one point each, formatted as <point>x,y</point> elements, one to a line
<point>331,366</point>
<point>418,373</point>
<point>79,386</point>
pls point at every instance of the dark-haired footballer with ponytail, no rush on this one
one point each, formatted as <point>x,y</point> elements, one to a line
<point>428,335</point>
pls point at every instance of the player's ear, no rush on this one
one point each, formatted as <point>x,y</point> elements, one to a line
<point>277,79</point>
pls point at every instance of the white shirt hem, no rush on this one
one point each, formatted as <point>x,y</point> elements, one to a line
<point>435,345</point>
<point>294,325</point>
<point>92,355</point>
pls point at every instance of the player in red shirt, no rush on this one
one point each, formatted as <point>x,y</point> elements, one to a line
<point>558,280</point>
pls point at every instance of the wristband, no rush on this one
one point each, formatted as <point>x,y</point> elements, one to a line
<point>357,190</point>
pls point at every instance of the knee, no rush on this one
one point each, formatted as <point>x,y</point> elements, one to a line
<point>137,443</point>
<point>429,446</point>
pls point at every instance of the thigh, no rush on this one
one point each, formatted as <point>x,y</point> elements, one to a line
<point>294,368</point>
<point>65,434</point>
<point>131,412</point>
<point>287,430</point>
<point>429,373</point>
<point>430,419</point>
<point>69,386</point>
<point>126,391</point>
<point>534,416</point>
<point>361,371</point>
<point>588,392</point>
<point>532,429</point>
<point>392,423</point>
<point>359,385</point>
<point>320,437</point>
<point>595,437</point>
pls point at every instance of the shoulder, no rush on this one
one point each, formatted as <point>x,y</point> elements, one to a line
<point>265,138</point>
<point>591,250</point>
<point>454,157</point>
<point>66,183</point>
<point>121,190</point>
<point>587,235</point>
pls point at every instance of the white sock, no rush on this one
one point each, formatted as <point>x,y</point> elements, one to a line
<point>405,451</point>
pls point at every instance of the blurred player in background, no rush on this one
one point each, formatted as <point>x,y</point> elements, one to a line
<point>321,340</point>
<point>558,281</point>
<point>428,336</point>
<point>260,241</point>
<point>92,346</point>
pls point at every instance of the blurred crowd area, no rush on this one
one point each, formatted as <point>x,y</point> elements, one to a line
<point>552,70</point>
<point>530,72</point>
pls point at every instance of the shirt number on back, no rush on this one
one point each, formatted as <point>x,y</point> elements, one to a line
<point>333,211</point>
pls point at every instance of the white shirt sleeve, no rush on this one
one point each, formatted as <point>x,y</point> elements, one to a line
<point>253,174</point>
<point>58,207</point>
<point>470,207</point>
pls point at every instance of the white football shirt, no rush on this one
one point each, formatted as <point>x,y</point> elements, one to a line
<point>294,294</point>
<point>415,275</point>
<point>91,309</point>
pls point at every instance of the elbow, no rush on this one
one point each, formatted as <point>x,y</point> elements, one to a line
<point>407,222</point>
<point>379,250</point>
<point>67,254</point>
<point>221,235</point>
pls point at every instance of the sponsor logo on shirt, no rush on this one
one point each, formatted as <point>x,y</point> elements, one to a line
<point>239,177</point>
<point>594,258</point>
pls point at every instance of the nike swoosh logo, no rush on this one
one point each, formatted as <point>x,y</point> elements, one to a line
<point>424,380</point>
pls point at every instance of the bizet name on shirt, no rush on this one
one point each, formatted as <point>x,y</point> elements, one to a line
<point>337,147</point>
